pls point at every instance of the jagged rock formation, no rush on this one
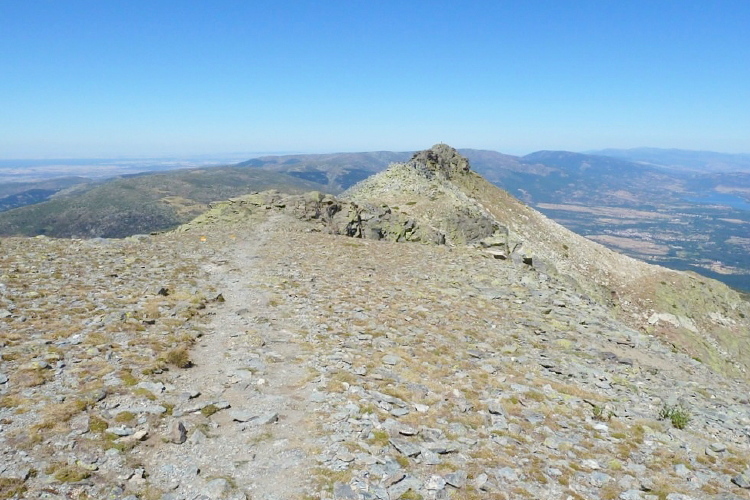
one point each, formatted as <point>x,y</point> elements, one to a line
<point>260,353</point>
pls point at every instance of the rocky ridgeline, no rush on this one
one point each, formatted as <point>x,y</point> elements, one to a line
<point>259,353</point>
<point>342,217</point>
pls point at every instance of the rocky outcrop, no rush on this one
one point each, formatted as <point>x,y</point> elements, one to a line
<point>326,214</point>
<point>440,160</point>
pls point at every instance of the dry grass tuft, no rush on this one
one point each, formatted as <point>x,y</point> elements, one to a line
<point>179,357</point>
<point>11,487</point>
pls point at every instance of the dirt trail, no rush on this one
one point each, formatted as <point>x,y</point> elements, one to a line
<point>251,360</point>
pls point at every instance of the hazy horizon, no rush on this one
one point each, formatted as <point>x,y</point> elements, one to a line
<point>241,156</point>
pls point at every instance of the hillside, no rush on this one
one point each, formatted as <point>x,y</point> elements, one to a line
<point>18,194</point>
<point>306,346</point>
<point>141,203</point>
<point>336,171</point>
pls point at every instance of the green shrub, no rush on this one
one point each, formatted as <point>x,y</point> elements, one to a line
<point>679,416</point>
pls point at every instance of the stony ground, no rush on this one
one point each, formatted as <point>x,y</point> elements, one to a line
<point>265,361</point>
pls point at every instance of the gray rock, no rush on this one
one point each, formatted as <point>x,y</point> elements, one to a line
<point>405,447</point>
<point>480,480</point>
<point>35,365</point>
<point>390,359</point>
<point>429,457</point>
<point>399,412</point>
<point>599,479</point>
<point>495,408</point>
<point>342,491</point>
<point>379,492</point>
<point>80,424</point>
<point>345,456</point>
<point>551,443</point>
<point>120,431</point>
<point>177,433</point>
<point>534,417</point>
<point>267,418</point>
<point>456,479</point>
<point>442,447</point>
<point>152,387</point>
<point>3,378</point>
<point>140,435</point>
<point>742,480</point>
<point>506,473</point>
<point>681,470</point>
<point>150,409</point>
<point>591,464</point>
<point>718,447</point>
<point>242,415</point>
<point>408,430</point>
<point>435,483</point>
<point>404,485</point>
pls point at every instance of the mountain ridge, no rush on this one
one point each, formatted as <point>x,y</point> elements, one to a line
<point>683,220</point>
<point>418,201</point>
<point>308,346</point>
<point>701,161</point>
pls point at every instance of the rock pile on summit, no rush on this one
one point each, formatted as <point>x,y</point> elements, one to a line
<point>441,160</point>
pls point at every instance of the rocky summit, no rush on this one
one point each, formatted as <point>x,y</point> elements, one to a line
<point>424,335</point>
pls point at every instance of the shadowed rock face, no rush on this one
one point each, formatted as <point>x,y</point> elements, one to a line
<point>440,159</point>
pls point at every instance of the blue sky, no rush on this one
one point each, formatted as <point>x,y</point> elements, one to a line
<point>151,78</point>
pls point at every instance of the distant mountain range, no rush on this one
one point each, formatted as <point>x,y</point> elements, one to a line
<point>682,159</point>
<point>682,209</point>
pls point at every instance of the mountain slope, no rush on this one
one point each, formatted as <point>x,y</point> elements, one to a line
<point>703,317</point>
<point>18,194</point>
<point>141,203</point>
<point>295,346</point>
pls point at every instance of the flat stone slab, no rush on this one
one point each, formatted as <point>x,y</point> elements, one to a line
<point>405,447</point>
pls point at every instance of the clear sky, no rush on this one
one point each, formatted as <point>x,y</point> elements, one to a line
<point>156,77</point>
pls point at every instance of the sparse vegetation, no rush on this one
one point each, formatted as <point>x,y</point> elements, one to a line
<point>601,413</point>
<point>209,410</point>
<point>485,367</point>
<point>678,415</point>
<point>179,357</point>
